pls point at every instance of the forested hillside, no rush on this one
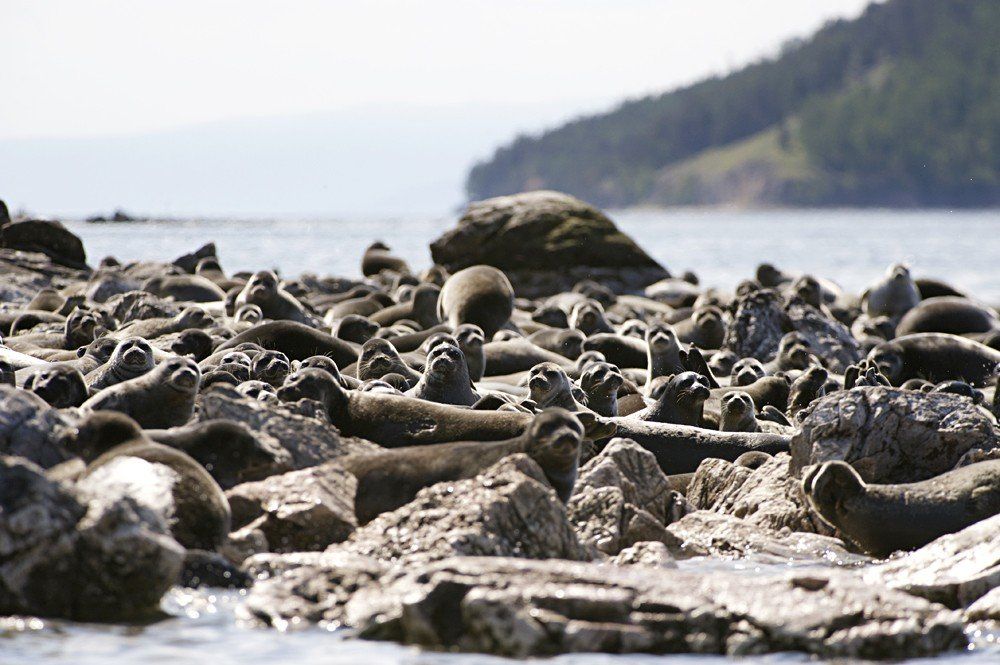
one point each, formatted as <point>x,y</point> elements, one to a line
<point>898,107</point>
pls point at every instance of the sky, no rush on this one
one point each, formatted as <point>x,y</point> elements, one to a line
<point>93,74</point>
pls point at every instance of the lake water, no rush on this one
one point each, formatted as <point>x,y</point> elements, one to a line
<point>721,246</point>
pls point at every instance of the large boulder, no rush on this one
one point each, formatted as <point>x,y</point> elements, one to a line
<point>767,495</point>
<point>299,510</point>
<point>48,237</point>
<point>92,556</point>
<point>521,608</point>
<point>508,510</point>
<point>546,242</point>
<point>32,429</point>
<point>891,435</point>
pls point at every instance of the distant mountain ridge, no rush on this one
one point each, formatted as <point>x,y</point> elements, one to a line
<point>899,107</point>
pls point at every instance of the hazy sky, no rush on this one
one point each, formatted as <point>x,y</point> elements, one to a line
<point>91,67</point>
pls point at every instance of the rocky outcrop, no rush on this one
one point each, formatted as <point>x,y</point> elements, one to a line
<point>508,510</point>
<point>93,557</point>
<point>546,242</point>
<point>757,326</point>
<point>622,498</point>
<point>953,570</point>
<point>891,435</point>
<point>706,533</point>
<point>139,305</point>
<point>521,608</point>
<point>32,429</point>
<point>299,510</point>
<point>308,440</point>
<point>830,340</point>
<point>24,274</point>
<point>767,496</point>
<point>48,237</point>
<point>648,553</point>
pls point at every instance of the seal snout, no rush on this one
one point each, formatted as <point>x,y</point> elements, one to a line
<point>185,377</point>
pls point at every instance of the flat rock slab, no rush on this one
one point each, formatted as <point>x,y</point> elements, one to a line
<point>891,435</point>
<point>521,608</point>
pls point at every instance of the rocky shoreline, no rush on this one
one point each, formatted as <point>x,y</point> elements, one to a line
<point>167,423</point>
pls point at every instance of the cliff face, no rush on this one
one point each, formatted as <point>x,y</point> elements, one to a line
<point>899,107</point>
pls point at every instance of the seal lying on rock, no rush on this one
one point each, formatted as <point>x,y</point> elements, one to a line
<point>884,518</point>
<point>388,480</point>
<point>161,398</point>
<point>679,401</point>
<point>481,295</point>
<point>935,357</point>
<point>446,378</point>
<point>132,357</point>
<point>297,341</point>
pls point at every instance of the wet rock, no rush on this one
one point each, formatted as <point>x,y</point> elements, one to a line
<point>768,495</point>
<point>645,554</point>
<point>953,570</point>
<point>758,325</point>
<point>705,533</point>
<point>508,510</point>
<point>139,305</point>
<point>891,435</point>
<point>209,569</point>
<point>986,608</point>
<point>546,242</point>
<point>309,440</point>
<point>623,498</point>
<point>32,429</point>
<point>299,510</point>
<point>26,273</point>
<point>48,237</point>
<point>521,608</point>
<point>829,339</point>
<point>88,557</point>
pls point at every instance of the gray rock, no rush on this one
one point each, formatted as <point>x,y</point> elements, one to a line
<point>768,496</point>
<point>32,429</point>
<point>645,553</point>
<point>757,327</point>
<point>508,510</point>
<point>986,608</point>
<point>48,237</point>
<point>546,242</point>
<point>829,339</point>
<point>891,435</point>
<point>521,608</point>
<point>308,440</point>
<point>953,570</point>
<point>299,510</point>
<point>705,533</point>
<point>89,557</point>
<point>140,305</point>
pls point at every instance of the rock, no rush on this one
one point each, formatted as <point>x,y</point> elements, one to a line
<point>188,262</point>
<point>266,566</point>
<point>301,510</point>
<point>521,608</point>
<point>209,569</point>
<point>768,495</point>
<point>891,435</point>
<point>89,558</point>
<point>508,510</point>
<point>546,242</point>
<point>4,214</point>
<point>106,283</point>
<point>705,533</point>
<point>26,273</point>
<point>622,498</point>
<point>308,440</point>
<point>830,340</point>
<point>758,326</point>
<point>138,305</point>
<point>32,429</point>
<point>953,570</point>
<point>986,608</point>
<point>48,237</point>
<point>645,553</point>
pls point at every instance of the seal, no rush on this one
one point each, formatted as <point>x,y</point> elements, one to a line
<point>622,350</point>
<point>479,294</point>
<point>198,513</point>
<point>271,367</point>
<point>932,288</point>
<point>738,413</point>
<point>794,353</point>
<point>297,341</point>
<point>882,519</point>
<point>390,479</point>
<point>746,371</point>
<point>190,317</point>
<point>705,328</point>
<point>396,420</point>
<point>518,355</point>
<point>810,385</point>
<point>184,288</point>
<point>227,449</point>
<point>935,357</point>
<point>354,328</point>
<point>379,257</point>
<point>8,375</point>
<point>378,358</point>
<point>161,398</point>
<point>471,341</point>
<point>664,354</point>
<point>588,317</point>
<point>61,386</point>
<point>893,296</point>
<point>549,386</point>
<point>132,357</point>
<point>446,378</point>
<point>264,290</point>
<point>948,314</point>
<point>601,382</point>
<point>566,342</point>
<point>80,329</point>
<point>195,343</point>
<point>680,400</point>
<point>421,309</point>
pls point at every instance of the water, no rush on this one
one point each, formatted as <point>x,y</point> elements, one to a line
<point>721,246</point>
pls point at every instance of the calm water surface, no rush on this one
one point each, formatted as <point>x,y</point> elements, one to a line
<point>721,246</point>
